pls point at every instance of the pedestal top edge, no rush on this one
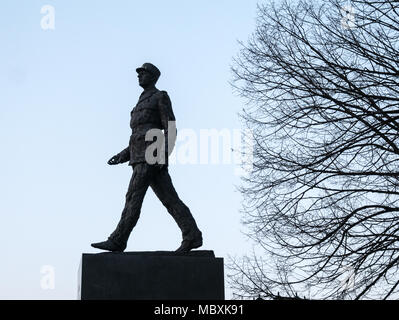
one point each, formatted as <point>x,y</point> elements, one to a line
<point>194,253</point>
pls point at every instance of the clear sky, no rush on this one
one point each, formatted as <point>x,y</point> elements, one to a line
<point>65,102</point>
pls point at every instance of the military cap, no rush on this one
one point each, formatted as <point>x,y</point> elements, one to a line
<point>150,68</point>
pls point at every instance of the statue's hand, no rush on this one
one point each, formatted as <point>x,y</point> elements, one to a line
<point>114,160</point>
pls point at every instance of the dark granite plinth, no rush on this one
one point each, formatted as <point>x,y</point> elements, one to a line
<point>159,275</point>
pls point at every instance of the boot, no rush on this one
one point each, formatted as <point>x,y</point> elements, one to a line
<point>188,245</point>
<point>108,245</point>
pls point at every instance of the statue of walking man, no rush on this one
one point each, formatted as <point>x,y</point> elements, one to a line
<point>153,113</point>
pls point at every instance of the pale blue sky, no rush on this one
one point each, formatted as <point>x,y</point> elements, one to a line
<point>65,105</point>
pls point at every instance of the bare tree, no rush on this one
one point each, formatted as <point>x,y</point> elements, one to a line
<point>322,83</point>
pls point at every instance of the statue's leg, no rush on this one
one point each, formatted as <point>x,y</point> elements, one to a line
<point>134,198</point>
<point>162,186</point>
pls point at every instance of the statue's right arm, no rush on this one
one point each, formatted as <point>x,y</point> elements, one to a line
<point>124,155</point>
<point>121,157</point>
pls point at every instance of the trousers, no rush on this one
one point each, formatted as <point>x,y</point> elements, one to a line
<point>145,175</point>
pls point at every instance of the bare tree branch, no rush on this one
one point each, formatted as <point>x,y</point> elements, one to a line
<point>322,87</point>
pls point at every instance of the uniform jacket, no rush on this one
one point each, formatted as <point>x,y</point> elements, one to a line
<point>152,111</point>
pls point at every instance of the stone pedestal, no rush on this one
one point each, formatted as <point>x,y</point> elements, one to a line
<point>159,275</point>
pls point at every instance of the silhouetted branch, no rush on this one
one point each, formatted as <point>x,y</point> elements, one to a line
<point>322,199</point>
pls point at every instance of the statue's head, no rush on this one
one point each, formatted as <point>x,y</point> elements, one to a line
<point>148,75</point>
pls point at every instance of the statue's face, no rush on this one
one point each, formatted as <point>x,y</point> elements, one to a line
<point>146,79</point>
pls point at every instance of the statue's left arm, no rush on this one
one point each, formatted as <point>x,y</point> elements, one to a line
<point>168,121</point>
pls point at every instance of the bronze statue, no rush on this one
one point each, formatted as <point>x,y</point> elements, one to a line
<point>153,111</point>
